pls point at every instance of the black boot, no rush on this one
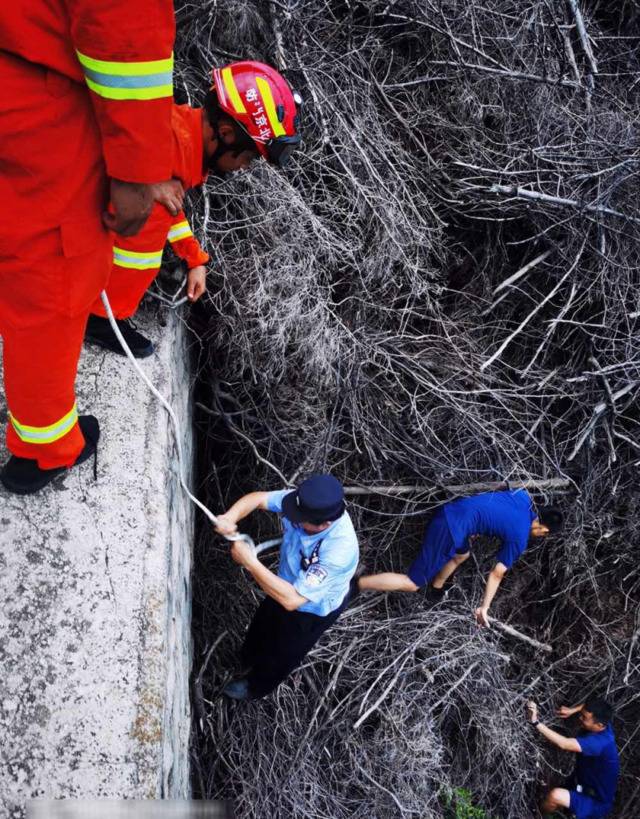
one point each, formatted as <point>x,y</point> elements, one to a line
<point>99,332</point>
<point>23,476</point>
<point>433,595</point>
<point>237,690</point>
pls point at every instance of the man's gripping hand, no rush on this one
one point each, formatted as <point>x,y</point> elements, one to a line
<point>482,616</point>
<point>131,204</point>
<point>566,711</point>
<point>226,525</point>
<point>170,194</point>
<point>242,553</point>
<point>196,282</point>
<point>130,207</point>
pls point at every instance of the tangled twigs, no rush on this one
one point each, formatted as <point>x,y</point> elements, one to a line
<point>441,291</point>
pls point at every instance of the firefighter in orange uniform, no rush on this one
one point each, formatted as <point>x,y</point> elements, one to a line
<point>137,259</point>
<point>85,116</point>
<point>250,111</point>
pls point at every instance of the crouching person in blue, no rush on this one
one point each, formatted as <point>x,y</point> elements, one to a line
<point>590,790</point>
<point>509,516</point>
<point>318,558</point>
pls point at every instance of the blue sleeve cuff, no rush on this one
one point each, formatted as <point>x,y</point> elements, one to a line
<point>509,553</point>
<point>590,745</point>
<point>274,500</point>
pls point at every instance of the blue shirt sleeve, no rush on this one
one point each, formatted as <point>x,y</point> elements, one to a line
<point>510,552</point>
<point>592,744</point>
<point>274,500</point>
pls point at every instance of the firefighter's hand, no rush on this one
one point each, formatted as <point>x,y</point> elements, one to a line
<point>532,711</point>
<point>242,553</point>
<point>130,207</point>
<point>196,282</point>
<point>170,194</point>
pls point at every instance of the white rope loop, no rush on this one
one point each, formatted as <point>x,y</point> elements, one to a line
<point>176,428</point>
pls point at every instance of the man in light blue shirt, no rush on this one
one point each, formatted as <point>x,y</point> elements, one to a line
<point>318,558</point>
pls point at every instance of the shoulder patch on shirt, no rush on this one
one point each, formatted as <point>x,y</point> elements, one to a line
<point>315,575</point>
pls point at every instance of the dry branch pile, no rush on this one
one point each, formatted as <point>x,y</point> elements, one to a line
<point>442,289</point>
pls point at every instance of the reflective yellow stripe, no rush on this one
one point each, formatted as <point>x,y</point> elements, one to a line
<point>232,91</point>
<point>181,230</point>
<point>152,93</point>
<point>135,260</point>
<point>126,69</point>
<point>270,107</point>
<point>152,79</point>
<point>48,434</point>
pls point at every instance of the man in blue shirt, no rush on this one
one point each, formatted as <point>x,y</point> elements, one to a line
<point>318,558</point>
<point>509,516</point>
<point>590,790</point>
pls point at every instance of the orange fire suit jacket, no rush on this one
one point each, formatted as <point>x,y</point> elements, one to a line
<point>137,259</point>
<point>86,93</point>
<point>53,50</point>
<point>123,51</point>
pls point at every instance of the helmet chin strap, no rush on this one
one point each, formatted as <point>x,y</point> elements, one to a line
<point>219,151</point>
<point>215,156</point>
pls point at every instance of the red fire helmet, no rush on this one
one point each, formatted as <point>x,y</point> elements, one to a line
<point>261,101</point>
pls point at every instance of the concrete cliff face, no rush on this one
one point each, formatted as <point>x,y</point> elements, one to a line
<point>95,643</point>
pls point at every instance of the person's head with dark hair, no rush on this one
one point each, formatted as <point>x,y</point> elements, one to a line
<point>549,520</point>
<point>552,518</point>
<point>227,146</point>
<point>250,111</point>
<point>596,714</point>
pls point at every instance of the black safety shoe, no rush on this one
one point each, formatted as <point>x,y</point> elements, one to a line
<point>99,331</point>
<point>237,690</point>
<point>433,596</point>
<point>23,476</point>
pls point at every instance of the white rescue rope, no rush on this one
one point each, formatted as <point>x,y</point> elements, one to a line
<point>268,544</point>
<point>177,432</point>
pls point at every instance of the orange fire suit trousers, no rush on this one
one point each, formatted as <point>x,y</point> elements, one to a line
<point>136,262</point>
<point>55,255</point>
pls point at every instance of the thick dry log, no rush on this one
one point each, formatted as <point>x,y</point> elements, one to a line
<point>552,484</point>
